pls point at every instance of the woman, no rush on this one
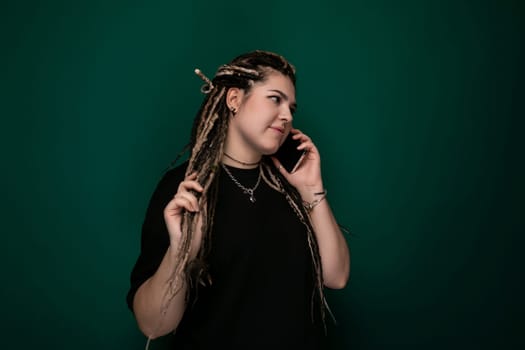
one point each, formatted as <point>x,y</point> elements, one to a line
<point>235,250</point>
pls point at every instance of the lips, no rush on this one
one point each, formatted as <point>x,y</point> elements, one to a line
<point>281,130</point>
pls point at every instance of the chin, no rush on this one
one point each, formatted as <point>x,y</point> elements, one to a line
<point>270,151</point>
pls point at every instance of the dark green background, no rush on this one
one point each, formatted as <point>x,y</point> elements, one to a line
<point>416,107</point>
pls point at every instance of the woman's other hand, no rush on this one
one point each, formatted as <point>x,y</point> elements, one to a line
<point>184,200</point>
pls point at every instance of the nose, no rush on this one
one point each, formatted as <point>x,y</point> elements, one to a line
<point>286,115</point>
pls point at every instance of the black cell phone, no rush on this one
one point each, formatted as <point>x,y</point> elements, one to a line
<point>288,154</point>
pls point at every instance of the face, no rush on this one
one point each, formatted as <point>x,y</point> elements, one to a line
<point>263,118</point>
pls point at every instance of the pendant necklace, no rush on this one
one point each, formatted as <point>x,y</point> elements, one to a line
<point>248,191</point>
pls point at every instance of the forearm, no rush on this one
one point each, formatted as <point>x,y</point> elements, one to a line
<point>333,248</point>
<point>155,317</point>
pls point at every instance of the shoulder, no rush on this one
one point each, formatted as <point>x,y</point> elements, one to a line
<point>174,175</point>
<point>168,184</point>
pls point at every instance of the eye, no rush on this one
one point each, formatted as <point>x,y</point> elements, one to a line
<point>276,99</point>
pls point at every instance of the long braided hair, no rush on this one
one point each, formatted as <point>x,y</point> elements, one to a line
<point>206,148</point>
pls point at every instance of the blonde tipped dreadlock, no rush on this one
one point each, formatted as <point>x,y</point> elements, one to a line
<point>207,146</point>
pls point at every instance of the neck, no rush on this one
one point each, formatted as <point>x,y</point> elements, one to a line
<point>237,153</point>
<point>240,162</point>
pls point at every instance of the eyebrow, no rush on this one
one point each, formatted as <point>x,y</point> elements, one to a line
<point>283,95</point>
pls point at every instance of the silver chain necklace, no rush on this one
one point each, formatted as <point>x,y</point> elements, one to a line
<point>248,191</point>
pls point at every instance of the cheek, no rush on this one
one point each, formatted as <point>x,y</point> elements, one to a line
<point>260,106</point>
<point>258,112</point>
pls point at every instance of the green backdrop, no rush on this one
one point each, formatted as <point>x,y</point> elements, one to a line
<point>416,107</point>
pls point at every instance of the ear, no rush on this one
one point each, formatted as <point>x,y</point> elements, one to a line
<point>234,98</point>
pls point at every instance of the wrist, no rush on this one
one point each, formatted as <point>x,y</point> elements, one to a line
<point>317,198</point>
<point>308,192</point>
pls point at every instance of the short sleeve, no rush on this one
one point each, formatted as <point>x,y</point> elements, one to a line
<point>154,234</point>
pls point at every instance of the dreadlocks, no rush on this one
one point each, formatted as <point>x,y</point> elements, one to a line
<point>207,141</point>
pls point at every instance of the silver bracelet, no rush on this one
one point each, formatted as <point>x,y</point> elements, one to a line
<point>311,205</point>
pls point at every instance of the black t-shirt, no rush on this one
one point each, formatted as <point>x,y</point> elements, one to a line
<point>262,291</point>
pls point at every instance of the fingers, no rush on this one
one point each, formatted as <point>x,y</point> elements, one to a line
<point>306,141</point>
<point>185,198</point>
<point>279,166</point>
<point>189,185</point>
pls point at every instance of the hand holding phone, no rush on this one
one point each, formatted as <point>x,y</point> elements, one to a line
<point>288,154</point>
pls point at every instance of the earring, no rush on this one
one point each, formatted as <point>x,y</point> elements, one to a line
<point>233,110</point>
